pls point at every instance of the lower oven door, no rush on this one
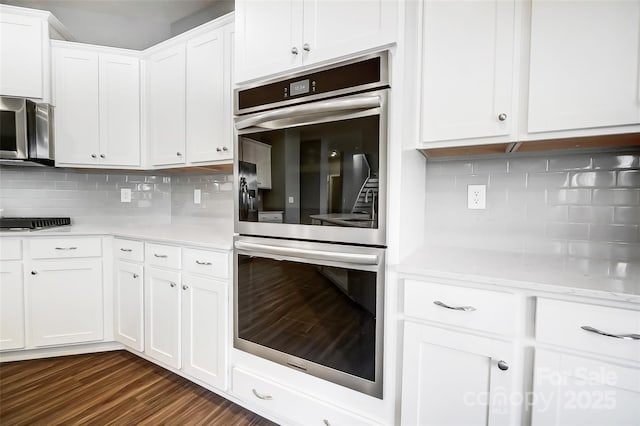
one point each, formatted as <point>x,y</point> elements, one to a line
<point>315,307</point>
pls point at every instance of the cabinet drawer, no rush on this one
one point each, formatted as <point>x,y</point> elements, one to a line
<point>295,406</point>
<point>485,310</point>
<point>206,262</point>
<point>128,250</point>
<point>55,248</point>
<point>560,323</point>
<point>161,255</point>
<point>10,249</point>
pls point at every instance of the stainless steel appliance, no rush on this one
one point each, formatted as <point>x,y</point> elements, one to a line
<point>32,223</point>
<point>26,132</point>
<point>315,307</point>
<point>325,134</point>
<point>309,286</point>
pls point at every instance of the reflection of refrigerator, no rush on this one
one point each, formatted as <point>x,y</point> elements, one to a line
<point>248,192</point>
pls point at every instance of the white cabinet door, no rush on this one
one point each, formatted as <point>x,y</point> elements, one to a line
<point>268,32</point>
<point>119,110</point>
<point>584,70</point>
<point>166,106</point>
<point>64,302</point>
<point>467,69</point>
<point>454,378</point>
<point>336,28</point>
<point>578,391</point>
<point>129,308</point>
<point>21,56</point>
<point>11,306</point>
<point>204,325</point>
<point>162,316</point>
<point>77,106</point>
<point>208,112</point>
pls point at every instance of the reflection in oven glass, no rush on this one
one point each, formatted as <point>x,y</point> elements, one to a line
<point>322,314</point>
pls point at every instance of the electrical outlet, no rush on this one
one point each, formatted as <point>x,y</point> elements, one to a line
<point>291,200</point>
<point>477,197</point>
<point>125,195</point>
<point>197,196</point>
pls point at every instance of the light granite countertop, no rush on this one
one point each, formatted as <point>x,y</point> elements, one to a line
<point>214,234</point>
<point>599,278</point>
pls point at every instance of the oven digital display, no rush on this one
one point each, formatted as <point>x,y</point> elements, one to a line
<point>299,87</point>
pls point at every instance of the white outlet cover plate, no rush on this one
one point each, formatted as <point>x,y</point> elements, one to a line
<point>477,197</point>
<point>125,195</point>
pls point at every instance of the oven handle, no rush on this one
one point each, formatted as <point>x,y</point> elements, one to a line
<point>305,112</point>
<point>354,258</point>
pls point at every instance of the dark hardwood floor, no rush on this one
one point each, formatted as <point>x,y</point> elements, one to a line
<point>109,388</point>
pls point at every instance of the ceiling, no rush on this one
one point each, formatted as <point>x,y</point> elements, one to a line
<point>156,10</point>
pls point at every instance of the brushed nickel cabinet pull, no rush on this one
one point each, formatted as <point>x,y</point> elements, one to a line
<point>455,308</point>
<point>630,336</point>
<point>66,248</point>
<point>161,256</point>
<point>203,263</point>
<point>265,397</point>
<point>126,250</point>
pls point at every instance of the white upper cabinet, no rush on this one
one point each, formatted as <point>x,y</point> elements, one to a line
<point>274,36</point>
<point>467,69</point>
<point>97,99</point>
<point>584,70</point>
<point>268,37</point>
<point>208,98</point>
<point>21,55</point>
<point>119,110</point>
<point>188,100</point>
<point>77,111</point>
<point>166,105</point>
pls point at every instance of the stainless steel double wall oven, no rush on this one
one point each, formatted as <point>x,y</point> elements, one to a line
<point>311,217</point>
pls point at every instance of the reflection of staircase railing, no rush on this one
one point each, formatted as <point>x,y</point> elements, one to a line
<point>360,206</point>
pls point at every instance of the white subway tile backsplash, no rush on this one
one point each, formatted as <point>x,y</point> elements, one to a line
<point>627,215</point>
<point>617,233</point>
<point>593,179</point>
<point>548,180</point>
<point>568,196</point>
<point>629,178</point>
<point>614,161</point>
<point>94,195</point>
<point>616,197</point>
<point>584,205</point>
<point>591,214</point>
<point>527,164</point>
<point>570,162</point>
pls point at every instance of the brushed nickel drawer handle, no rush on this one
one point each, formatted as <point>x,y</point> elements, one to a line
<point>126,250</point>
<point>66,248</point>
<point>455,308</point>
<point>265,397</point>
<point>203,263</point>
<point>631,336</point>
<point>161,256</point>
<point>502,365</point>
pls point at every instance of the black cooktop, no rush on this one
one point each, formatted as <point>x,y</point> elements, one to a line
<point>33,222</point>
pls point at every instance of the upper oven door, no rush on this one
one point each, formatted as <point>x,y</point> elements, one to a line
<point>13,128</point>
<point>321,166</point>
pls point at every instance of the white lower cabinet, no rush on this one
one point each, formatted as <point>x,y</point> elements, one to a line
<point>204,313</point>
<point>296,407</point>
<point>452,378</point>
<point>575,390</point>
<point>129,304</point>
<point>64,302</point>
<point>162,316</point>
<point>11,305</point>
